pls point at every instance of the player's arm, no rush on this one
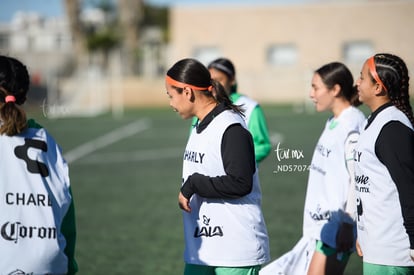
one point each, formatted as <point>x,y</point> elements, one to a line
<point>345,235</point>
<point>239,164</point>
<point>350,145</point>
<point>395,149</point>
<point>69,231</point>
<point>258,128</point>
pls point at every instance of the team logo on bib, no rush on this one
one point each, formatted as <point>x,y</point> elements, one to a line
<point>15,231</point>
<point>207,230</point>
<point>362,183</point>
<point>33,165</point>
<point>192,156</point>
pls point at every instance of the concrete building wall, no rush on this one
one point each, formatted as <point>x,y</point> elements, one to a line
<point>318,31</point>
<point>44,45</point>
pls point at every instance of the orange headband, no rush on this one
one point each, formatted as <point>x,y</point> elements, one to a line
<point>179,84</point>
<point>373,71</point>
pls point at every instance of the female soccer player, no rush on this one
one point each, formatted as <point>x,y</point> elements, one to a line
<point>222,70</point>
<point>328,225</point>
<point>384,168</point>
<point>224,229</point>
<point>36,207</point>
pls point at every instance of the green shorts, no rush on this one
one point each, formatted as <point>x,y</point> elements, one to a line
<point>329,251</point>
<point>376,269</point>
<point>192,269</point>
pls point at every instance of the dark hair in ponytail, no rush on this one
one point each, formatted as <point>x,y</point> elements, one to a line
<point>225,66</point>
<point>194,73</point>
<point>14,83</point>
<point>393,73</point>
<point>222,97</point>
<point>336,73</point>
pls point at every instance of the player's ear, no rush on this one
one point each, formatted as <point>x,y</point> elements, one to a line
<point>189,93</point>
<point>379,91</point>
<point>336,90</point>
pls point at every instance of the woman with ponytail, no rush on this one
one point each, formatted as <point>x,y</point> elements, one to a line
<point>384,169</point>
<point>223,70</point>
<point>220,195</point>
<point>36,206</point>
<point>329,227</point>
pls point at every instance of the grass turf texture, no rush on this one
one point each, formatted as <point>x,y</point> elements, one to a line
<point>128,219</point>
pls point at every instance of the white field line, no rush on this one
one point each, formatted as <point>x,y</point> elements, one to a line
<point>107,139</point>
<point>142,155</point>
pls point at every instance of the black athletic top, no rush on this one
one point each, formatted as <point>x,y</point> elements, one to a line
<point>394,147</point>
<point>237,152</point>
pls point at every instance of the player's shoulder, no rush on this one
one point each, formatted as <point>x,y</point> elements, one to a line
<point>353,117</point>
<point>31,123</point>
<point>36,131</point>
<point>355,113</point>
<point>244,99</point>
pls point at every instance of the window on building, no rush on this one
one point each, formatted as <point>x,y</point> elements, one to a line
<point>59,42</point>
<point>206,54</point>
<point>282,55</point>
<point>357,52</point>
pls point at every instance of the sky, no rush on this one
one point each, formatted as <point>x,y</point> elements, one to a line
<point>48,8</point>
<point>54,8</point>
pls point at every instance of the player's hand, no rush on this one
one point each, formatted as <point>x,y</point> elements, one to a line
<point>184,203</point>
<point>345,237</point>
<point>358,249</point>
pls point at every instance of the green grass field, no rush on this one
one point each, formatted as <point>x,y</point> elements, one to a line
<point>126,184</point>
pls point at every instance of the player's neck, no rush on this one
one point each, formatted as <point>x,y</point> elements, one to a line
<point>339,106</point>
<point>205,109</point>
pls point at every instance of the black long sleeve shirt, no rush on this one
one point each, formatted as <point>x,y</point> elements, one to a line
<point>394,147</point>
<point>237,151</point>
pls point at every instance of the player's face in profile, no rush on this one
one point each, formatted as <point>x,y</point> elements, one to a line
<point>221,77</point>
<point>366,87</point>
<point>179,101</point>
<point>321,96</point>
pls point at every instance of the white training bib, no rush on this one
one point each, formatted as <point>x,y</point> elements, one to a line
<point>221,232</point>
<point>381,233</point>
<point>34,200</point>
